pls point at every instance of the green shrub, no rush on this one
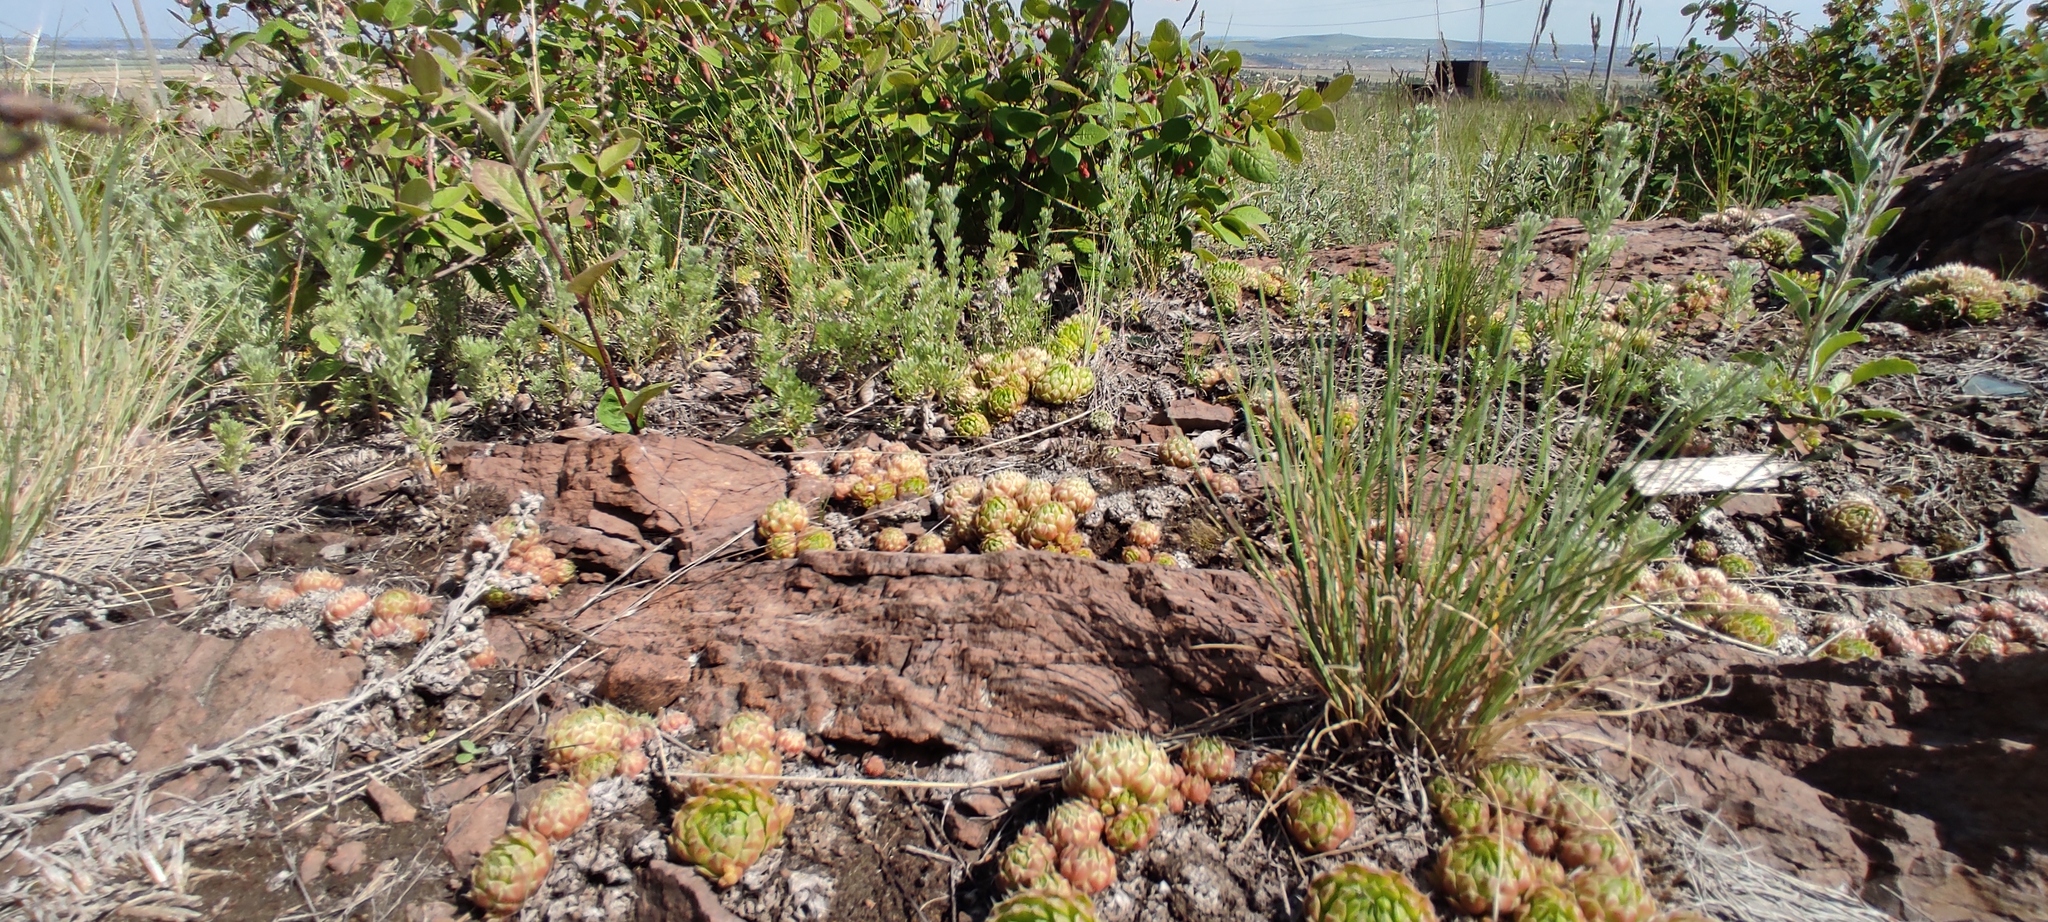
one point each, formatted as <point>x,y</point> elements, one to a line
<point>1758,124</point>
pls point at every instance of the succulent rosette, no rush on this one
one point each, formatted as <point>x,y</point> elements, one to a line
<point>1113,765</point>
<point>1209,758</point>
<point>1074,824</point>
<point>1356,893</point>
<point>726,829</point>
<point>510,872</point>
<point>1043,906</point>
<point>747,730</point>
<point>1090,868</point>
<point>558,810</point>
<point>1482,875</point>
<point>1319,819</point>
<point>1027,859</point>
<point>1608,897</point>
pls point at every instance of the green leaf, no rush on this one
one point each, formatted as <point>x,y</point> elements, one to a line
<point>609,159</point>
<point>1307,99</point>
<point>232,180</point>
<point>416,191</point>
<point>586,281</point>
<point>1292,151</point>
<point>1090,134</point>
<point>644,396</point>
<point>1878,368</point>
<point>1319,119</point>
<point>499,184</point>
<point>327,88</point>
<point>1264,106</point>
<point>252,202</point>
<point>590,351</point>
<point>1339,86</point>
<point>1833,344</point>
<point>1255,164</point>
<point>496,130</point>
<point>1165,42</point>
<point>425,71</point>
<point>824,24</point>
<point>527,143</point>
<point>1250,215</point>
<point>610,414</point>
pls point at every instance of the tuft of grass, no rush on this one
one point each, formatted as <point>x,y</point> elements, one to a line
<point>1443,555</point>
<point>106,278</point>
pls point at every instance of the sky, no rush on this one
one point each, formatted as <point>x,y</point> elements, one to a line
<point>1507,21</point>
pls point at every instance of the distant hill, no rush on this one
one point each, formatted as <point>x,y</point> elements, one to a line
<point>1339,50</point>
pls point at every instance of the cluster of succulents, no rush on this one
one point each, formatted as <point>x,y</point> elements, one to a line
<point>998,385</point>
<point>1077,338</point>
<point>1008,509</point>
<point>1705,595</point>
<point>360,621</point>
<point>531,571</point>
<point>1141,544</point>
<point>1954,293</point>
<point>1995,627</point>
<point>1357,893</point>
<point>1773,246</point>
<point>869,478</point>
<point>786,529</point>
<point>1607,347</point>
<point>1701,301</point>
<point>588,745</point>
<point>1228,280</point>
<point>1850,522</point>
<point>594,743</point>
<point>1529,846</point>
<point>1121,786</point>
<point>732,816</point>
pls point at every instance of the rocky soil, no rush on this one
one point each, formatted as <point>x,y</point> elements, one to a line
<point>934,690</point>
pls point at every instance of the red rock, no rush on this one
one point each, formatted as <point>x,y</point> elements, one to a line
<point>673,893</point>
<point>966,831</point>
<point>348,858</point>
<point>1019,654</point>
<point>506,641</point>
<point>982,804</point>
<point>2025,540</point>
<point>1927,768</point>
<point>312,865</point>
<point>1882,550</point>
<point>391,805</point>
<point>1983,206</point>
<point>1754,505</point>
<point>645,678</point>
<point>610,499</point>
<point>472,827</point>
<point>1197,415</point>
<point>162,690</point>
<point>459,790</point>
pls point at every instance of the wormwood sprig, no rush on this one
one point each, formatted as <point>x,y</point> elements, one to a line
<point>1804,383</point>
